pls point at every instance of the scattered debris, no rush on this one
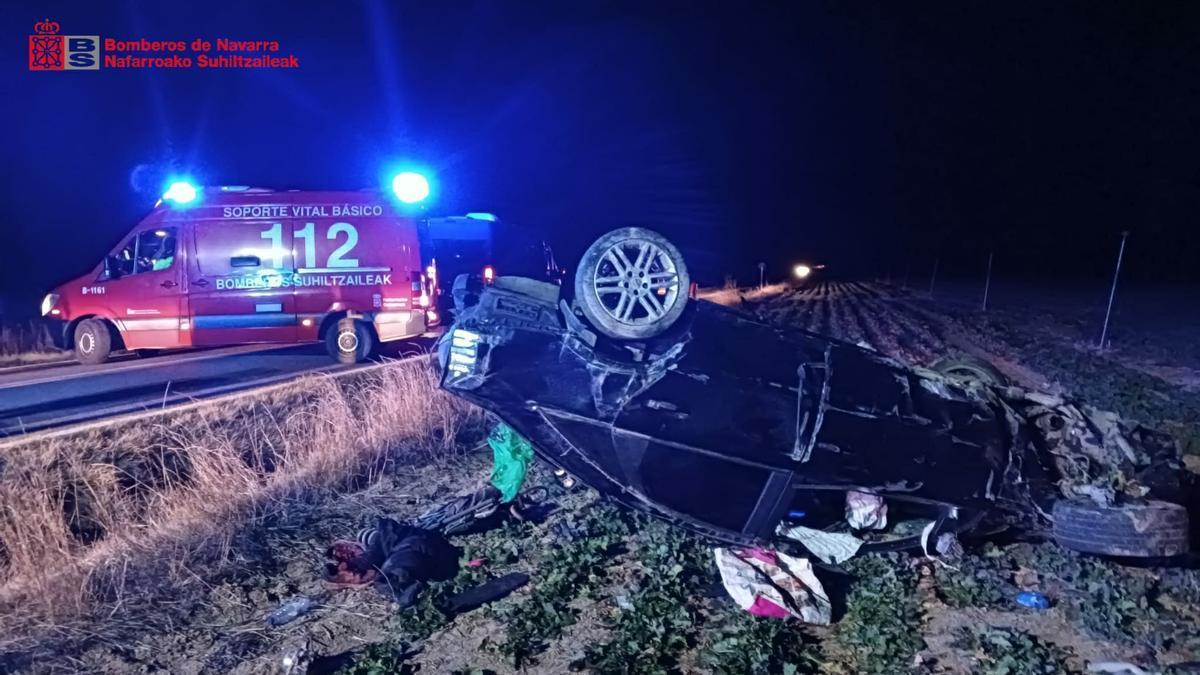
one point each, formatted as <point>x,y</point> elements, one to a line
<point>510,460</point>
<point>773,584</point>
<point>1033,600</point>
<point>482,594</point>
<point>865,511</point>
<point>296,659</point>
<point>829,547</point>
<point>291,610</point>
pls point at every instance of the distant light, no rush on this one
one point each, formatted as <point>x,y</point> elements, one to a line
<point>180,192</point>
<point>431,316</point>
<point>489,273</point>
<point>431,272</point>
<point>160,233</point>
<point>410,187</point>
<point>490,217</point>
<point>802,271</point>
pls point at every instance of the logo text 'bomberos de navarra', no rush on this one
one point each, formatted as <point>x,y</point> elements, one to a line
<point>50,51</point>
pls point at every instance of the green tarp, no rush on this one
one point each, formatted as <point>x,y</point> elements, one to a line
<point>510,460</point>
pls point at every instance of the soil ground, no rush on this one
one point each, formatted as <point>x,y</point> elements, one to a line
<point>611,592</point>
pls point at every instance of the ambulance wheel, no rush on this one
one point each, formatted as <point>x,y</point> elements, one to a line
<point>632,284</point>
<point>93,342</point>
<point>350,344</point>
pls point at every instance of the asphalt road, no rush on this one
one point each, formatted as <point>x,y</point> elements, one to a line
<point>33,399</point>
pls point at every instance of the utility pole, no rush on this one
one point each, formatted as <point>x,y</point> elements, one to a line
<point>987,284</point>
<point>933,277</point>
<point>1113,293</point>
<point>762,266</point>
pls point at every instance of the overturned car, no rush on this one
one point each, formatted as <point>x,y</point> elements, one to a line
<point>733,428</point>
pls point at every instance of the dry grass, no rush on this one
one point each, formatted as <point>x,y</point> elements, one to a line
<point>93,521</point>
<point>27,342</point>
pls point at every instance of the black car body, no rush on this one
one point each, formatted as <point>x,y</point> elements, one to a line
<point>725,424</point>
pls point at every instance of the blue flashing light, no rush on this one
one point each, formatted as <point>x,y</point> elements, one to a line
<point>410,187</point>
<point>181,192</point>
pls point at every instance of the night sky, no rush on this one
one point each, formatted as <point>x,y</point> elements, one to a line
<point>864,136</point>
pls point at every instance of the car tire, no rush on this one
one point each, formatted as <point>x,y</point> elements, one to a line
<point>1154,529</point>
<point>620,295</point>
<point>353,343</point>
<point>970,369</point>
<point>93,341</point>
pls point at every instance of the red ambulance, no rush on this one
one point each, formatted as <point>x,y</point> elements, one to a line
<point>234,265</point>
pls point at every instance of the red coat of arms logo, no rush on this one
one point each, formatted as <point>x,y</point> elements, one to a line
<point>46,47</point>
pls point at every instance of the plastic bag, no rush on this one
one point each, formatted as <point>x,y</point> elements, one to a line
<point>510,460</point>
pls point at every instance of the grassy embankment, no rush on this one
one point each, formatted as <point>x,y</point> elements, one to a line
<point>27,343</point>
<point>102,523</point>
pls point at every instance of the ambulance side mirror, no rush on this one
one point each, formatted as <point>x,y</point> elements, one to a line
<point>112,267</point>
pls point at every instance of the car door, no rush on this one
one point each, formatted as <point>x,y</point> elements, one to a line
<point>239,282</point>
<point>143,291</point>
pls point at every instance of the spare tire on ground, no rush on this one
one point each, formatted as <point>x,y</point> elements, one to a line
<point>1154,529</point>
<point>632,284</point>
<point>969,368</point>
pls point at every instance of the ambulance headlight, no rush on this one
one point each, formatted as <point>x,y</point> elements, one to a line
<point>410,187</point>
<point>48,303</point>
<point>180,192</point>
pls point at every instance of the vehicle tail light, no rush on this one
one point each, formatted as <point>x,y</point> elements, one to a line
<point>464,351</point>
<point>431,272</point>
<point>489,274</point>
